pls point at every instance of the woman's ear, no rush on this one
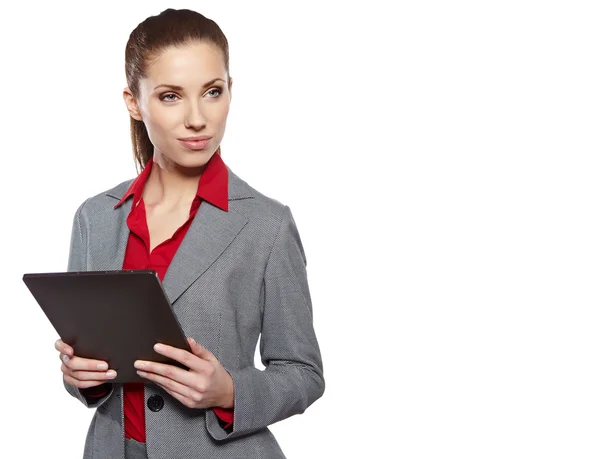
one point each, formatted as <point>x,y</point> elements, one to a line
<point>131,104</point>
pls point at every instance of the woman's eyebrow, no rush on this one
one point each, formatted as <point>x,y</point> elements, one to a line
<point>179,88</point>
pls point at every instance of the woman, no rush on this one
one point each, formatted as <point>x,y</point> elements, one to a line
<point>230,258</point>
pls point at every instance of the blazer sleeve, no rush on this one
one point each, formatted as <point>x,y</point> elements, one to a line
<point>293,376</point>
<point>78,262</point>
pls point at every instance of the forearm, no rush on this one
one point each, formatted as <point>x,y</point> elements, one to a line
<point>265,397</point>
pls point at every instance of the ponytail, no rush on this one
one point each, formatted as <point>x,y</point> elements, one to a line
<point>143,149</point>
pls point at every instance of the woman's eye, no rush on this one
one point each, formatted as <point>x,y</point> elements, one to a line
<point>168,97</point>
<point>215,89</point>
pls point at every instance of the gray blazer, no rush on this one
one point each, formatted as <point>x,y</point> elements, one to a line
<point>236,276</point>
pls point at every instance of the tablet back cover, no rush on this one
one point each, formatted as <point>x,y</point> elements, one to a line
<point>115,316</point>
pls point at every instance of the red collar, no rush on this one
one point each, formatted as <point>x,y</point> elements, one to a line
<point>212,186</point>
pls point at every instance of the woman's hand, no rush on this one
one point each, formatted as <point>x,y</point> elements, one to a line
<point>80,372</point>
<point>206,385</point>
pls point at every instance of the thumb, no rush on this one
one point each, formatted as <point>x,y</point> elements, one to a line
<point>200,351</point>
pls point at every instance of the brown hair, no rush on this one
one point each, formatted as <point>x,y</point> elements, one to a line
<point>148,39</point>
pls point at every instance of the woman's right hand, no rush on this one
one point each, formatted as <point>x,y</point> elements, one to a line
<point>80,372</point>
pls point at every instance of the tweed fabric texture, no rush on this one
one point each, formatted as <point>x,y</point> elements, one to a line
<point>238,276</point>
<point>135,450</point>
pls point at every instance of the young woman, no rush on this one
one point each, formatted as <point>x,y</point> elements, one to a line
<point>230,258</point>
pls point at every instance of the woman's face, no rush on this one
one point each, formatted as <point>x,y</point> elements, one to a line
<point>185,94</point>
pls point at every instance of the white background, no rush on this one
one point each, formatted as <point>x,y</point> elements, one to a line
<point>441,160</point>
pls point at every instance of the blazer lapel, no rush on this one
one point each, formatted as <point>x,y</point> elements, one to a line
<point>211,232</point>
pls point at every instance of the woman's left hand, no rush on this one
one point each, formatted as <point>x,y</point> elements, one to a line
<point>206,385</point>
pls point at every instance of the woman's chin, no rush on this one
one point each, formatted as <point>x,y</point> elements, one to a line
<point>190,160</point>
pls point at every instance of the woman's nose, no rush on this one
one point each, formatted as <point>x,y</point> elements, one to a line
<point>194,118</point>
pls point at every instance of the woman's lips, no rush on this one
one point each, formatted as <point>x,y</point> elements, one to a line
<point>195,144</point>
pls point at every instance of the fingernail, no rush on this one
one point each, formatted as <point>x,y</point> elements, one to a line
<point>158,347</point>
<point>193,340</point>
<point>65,358</point>
<point>111,374</point>
<point>102,366</point>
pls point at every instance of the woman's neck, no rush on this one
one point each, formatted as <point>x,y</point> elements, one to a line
<point>168,185</point>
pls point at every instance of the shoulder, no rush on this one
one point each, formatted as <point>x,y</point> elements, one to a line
<point>105,200</point>
<point>255,205</point>
<point>269,219</point>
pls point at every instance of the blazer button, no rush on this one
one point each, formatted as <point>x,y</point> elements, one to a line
<point>156,403</point>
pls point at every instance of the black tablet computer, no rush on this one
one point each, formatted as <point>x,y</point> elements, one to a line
<point>115,316</point>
